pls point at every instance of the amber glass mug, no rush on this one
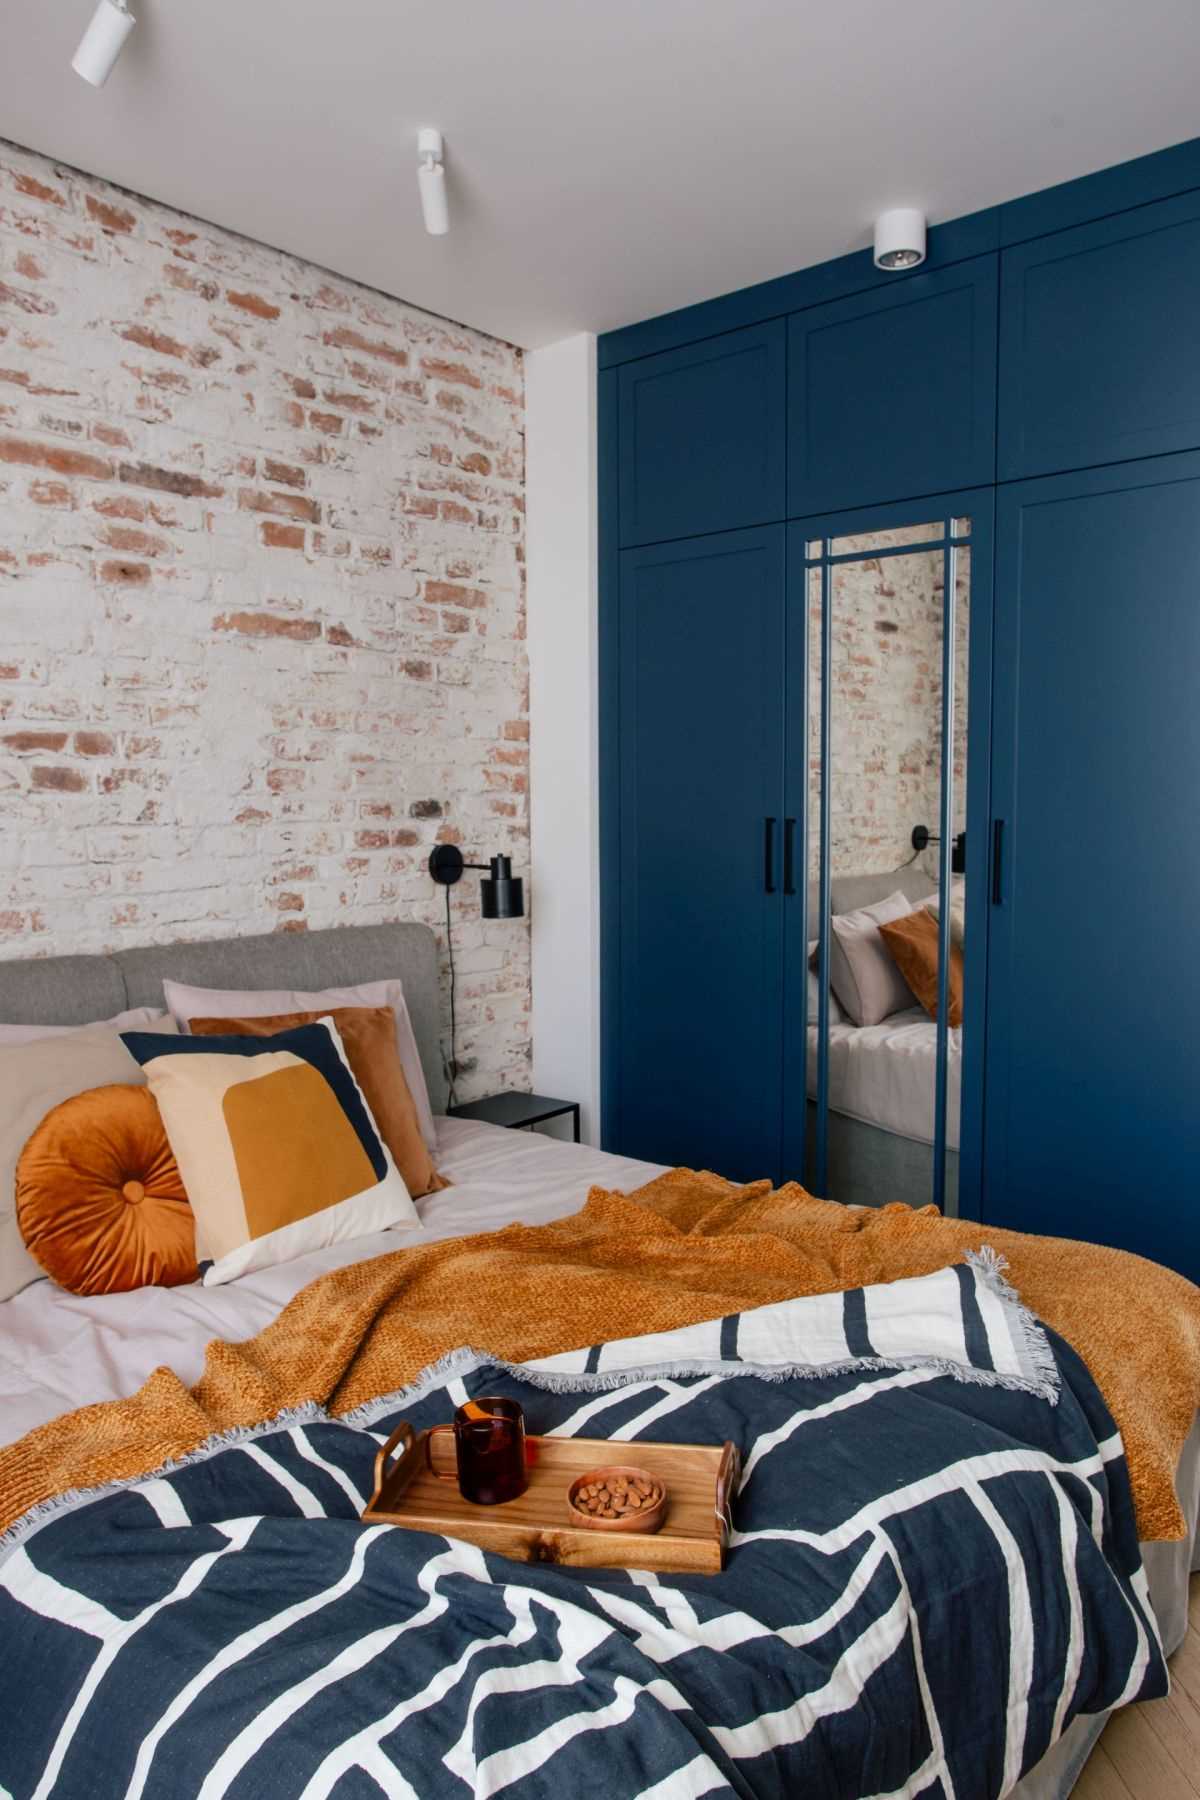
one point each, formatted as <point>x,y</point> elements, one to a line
<point>489,1449</point>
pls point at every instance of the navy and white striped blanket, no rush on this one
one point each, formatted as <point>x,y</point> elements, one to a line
<point>934,1568</point>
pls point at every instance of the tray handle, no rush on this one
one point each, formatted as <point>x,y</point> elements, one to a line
<point>728,1472</point>
<point>402,1434</point>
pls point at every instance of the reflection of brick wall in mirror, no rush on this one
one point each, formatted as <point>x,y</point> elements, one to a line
<point>886,718</point>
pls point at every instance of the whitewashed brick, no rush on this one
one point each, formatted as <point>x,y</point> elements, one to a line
<point>261,597</point>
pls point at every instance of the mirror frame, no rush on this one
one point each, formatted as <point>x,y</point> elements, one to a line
<point>979,506</point>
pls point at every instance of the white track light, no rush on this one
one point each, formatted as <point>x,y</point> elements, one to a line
<point>103,42</point>
<point>900,238</point>
<point>431,179</point>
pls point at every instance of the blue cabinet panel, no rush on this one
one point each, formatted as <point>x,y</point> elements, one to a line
<point>1100,342</point>
<point>1094,979</point>
<point>893,394</point>
<point>702,437</point>
<point>699,740</point>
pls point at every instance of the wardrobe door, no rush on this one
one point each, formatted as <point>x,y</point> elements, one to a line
<point>1094,976</point>
<point>1100,341</point>
<point>702,437</point>
<point>893,393</point>
<point>695,1015</point>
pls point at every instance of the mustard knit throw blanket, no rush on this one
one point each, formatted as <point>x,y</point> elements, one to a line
<point>685,1248</point>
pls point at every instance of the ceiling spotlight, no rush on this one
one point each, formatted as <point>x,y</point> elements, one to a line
<point>103,42</point>
<point>900,238</point>
<point>431,179</point>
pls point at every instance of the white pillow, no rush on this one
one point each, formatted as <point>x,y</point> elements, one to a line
<point>836,1015</point>
<point>188,1003</point>
<point>33,1079</point>
<point>958,912</point>
<point>137,1020</point>
<point>861,970</point>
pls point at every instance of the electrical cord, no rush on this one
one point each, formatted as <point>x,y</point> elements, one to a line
<point>451,1066</point>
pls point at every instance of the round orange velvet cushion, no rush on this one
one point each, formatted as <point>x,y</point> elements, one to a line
<point>99,1200</point>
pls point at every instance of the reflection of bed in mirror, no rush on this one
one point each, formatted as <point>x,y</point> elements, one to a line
<point>881,1081</point>
<point>889,616</point>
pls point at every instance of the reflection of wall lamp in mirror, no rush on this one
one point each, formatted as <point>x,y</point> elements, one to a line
<point>922,837</point>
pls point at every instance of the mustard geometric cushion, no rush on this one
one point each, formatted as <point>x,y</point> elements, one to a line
<point>291,1138</point>
<point>276,1145</point>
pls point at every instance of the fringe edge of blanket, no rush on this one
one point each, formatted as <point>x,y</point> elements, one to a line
<point>987,1263</point>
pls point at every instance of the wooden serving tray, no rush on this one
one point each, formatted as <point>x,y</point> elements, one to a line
<point>700,1480</point>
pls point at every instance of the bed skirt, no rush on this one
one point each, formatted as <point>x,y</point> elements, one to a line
<point>869,1166</point>
<point>1169,1568</point>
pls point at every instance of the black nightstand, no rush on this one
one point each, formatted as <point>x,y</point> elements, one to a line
<point>516,1110</point>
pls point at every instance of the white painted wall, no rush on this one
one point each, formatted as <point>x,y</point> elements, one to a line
<point>560,488</point>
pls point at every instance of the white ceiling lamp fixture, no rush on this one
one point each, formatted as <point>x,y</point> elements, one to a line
<point>431,179</point>
<point>900,238</point>
<point>103,42</point>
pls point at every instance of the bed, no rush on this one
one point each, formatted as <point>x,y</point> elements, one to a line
<point>58,1350</point>
<point>882,1080</point>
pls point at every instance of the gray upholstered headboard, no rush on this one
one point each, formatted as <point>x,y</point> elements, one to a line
<point>849,892</point>
<point>70,990</point>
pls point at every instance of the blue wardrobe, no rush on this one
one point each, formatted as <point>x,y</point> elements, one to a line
<point>1017,426</point>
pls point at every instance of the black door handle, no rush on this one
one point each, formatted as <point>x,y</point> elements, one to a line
<point>789,856</point>
<point>768,855</point>
<point>997,862</point>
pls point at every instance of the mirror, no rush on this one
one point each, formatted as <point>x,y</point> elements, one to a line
<point>886,778</point>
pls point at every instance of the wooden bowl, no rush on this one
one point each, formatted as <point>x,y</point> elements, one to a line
<point>648,1519</point>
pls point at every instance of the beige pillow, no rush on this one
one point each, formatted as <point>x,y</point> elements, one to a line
<point>861,972</point>
<point>33,1078</point>
<point>137,1020</point>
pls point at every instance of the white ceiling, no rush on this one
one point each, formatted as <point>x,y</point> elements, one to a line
<point>608,159</point>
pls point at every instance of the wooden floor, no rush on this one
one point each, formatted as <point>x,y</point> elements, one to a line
<point>1152,1751</point>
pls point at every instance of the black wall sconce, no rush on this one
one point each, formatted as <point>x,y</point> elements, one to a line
<point>922,837</point>
<point>501,895</point>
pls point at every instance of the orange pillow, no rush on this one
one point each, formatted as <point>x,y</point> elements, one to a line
<point>99,1198</point>
<point>913,944</point>
<point>369,1036</point>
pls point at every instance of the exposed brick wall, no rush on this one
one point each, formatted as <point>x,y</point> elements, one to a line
<point>886,711</point>
<point>261,596</point>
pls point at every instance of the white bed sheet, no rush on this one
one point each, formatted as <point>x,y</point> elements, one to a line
<point>59,1350</point>
<point>885,1074</point>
